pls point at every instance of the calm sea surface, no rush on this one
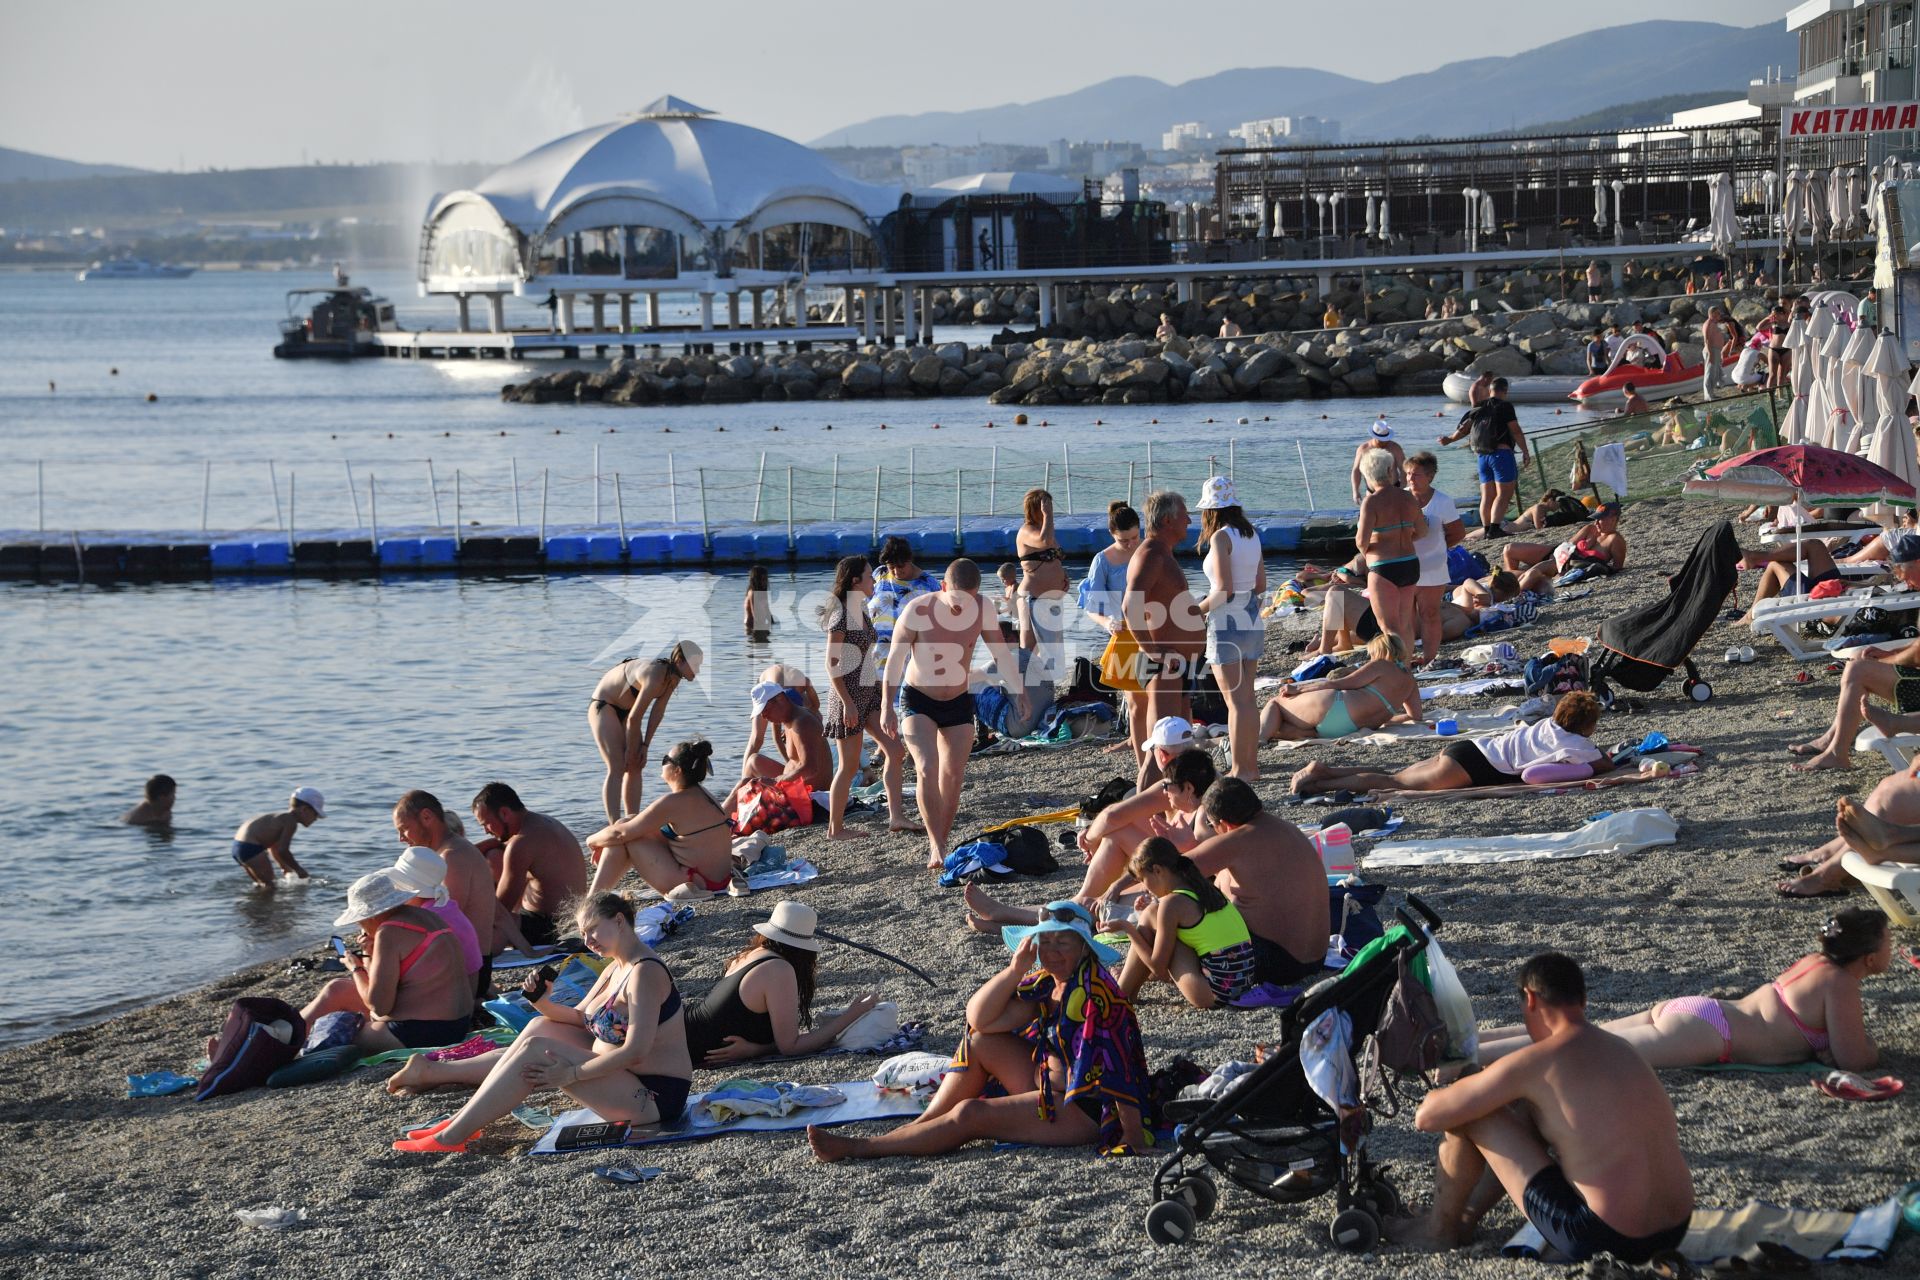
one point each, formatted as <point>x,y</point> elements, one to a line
<point>243,691</point>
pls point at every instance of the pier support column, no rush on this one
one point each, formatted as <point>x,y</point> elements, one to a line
<point>566,313</point>
<point>626,313</point>
<point>496,313</point>
<point>1046,306</point>
<point>759,309</point>
<point>1619,268</point>
<point>653,311</point>
<point>910,316</point>
<point>733,310</point>
<point>1469,279</point>
<point>867,314</point>
<point>462,300</point>
<point>926,316</point>
<point>706,311</point>
<point>1325,280</point>
<point>599,312</point>
<point>1183,289</point>
<point>886,316</point>
<point>797,305</point>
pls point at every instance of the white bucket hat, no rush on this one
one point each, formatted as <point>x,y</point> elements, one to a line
<point>792,925</point>
<point>311,798</point>
<point>371,895</point>
<point>1219,492</point>
<point>424,872</point>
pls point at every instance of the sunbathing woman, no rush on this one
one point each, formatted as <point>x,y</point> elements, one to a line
<point>766,996</point>
<point>680,840</point>
<point>1055,1031</point>
<point>1597,547</point>
<point>1169,808</point>
<point>624,713</point>
<point>621,1051</point>
<point>1886,828</point>
<point>1778,577</point>
<point>1810,1012</point>
<point>1191,936</point>
<point>1380,691</point>
<point>413,984</point>
<point>1478,762</point>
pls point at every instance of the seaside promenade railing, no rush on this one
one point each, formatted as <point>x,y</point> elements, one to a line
<point>694,490</point>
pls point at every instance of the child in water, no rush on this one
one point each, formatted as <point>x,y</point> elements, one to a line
<point>757,610</point>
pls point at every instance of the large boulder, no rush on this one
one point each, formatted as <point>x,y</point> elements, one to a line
<point>1082,372</point>
<point>1208,383</point>
<point>1136,373</point>
<point>1534,324</point>
<point>925,372</point>
<point>1403,361</point>
<point>723,389</point>
<point>952,353</point>
<point>1264,363</point>
<point>1541,342</point>
<point>740,368</point>
<point>951,381</point>
<point>862,378</point>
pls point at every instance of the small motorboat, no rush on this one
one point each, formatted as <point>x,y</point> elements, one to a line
<point>338,323</point>
<point>133,269</point>
<point>1672,373</point>
<point>1540,389</point>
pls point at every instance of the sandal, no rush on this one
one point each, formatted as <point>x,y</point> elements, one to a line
<point>1801,677</point>
<point>1849,1087</point>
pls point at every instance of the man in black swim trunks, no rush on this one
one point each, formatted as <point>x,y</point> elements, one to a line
<point>930,665</point>
<point>1272,874</point>
<point>538,862</point>
<point>1575,1128</point>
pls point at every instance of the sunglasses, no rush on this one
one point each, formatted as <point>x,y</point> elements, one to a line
<point>1065,915</point>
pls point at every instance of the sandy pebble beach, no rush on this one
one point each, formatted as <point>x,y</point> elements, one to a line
<point>103,1185</point>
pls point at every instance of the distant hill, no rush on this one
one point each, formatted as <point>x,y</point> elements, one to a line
<point>1587,73</point>
<point>26,166</point>
<point>398,191</point>
<point>1635,115</point>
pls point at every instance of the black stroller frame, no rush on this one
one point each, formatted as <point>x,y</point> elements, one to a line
<point>1271,1134</point>
<point>1641,648</point>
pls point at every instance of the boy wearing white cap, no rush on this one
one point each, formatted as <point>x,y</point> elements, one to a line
<point>1379,436</point>
<point>270,836</point>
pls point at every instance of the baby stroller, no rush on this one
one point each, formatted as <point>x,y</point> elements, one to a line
<point>1643,646</point>
<point>1273,1135</point>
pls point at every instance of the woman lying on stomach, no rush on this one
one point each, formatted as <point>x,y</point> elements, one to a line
<point>621,1051</point>
<point>1812,1011</point>
<point>766,996</point>
<point>1482,762</point>
<point>413,984</point>
<point>1055,1032</point>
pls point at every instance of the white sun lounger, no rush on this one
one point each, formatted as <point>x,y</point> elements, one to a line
<point>1772,537</point>
<point>1898,750</point>
<point>1780,617</point>
<point>1895,886</point>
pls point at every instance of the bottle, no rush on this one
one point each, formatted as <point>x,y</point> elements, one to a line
<point>1335,844</point>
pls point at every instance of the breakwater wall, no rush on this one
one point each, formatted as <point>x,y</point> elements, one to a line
<point>1411,358</point>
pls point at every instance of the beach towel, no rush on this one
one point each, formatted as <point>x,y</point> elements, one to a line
<point>1473,724</point>
<point>1628,831</point>
<point>864,1101</point>
<point>766,873</point>
<point>497,1037</point>
<point>1828,1235</point>
<point>159,1084</point>
<point>1475,685</point>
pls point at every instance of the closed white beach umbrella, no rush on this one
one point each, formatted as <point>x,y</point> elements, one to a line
<point>1833,371</point>
<point>1373,215</point>
<point>1723,224</point>
<point>1813,352</point>
<point>1893,444</point>
<point>1837,201</point>
<point>1489,222</point>
<point>1599,204</point>
<point>1819,412</point>
<point>1386,216</point>
<point>1793,208</point>
<point>1819,215</point>
<point>1794,429</point>
<point>1619,213</point>
<point>1857,388</point>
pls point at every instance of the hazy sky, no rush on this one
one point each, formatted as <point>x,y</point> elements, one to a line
<point>241,83</point>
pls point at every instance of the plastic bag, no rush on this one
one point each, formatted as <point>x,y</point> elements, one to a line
<point>1456,1009</point>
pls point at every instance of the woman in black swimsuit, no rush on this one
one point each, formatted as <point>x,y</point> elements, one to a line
<point>766,997</point>
<point>634,691</point>
<point>1043,581</point>
<point>621,1051</point>
<point>852,709</point>
<point>681,844</point>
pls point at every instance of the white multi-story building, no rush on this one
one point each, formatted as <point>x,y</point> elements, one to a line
<point>925,166</point>
<point>1854,51</point>
<point>1191,136</point>
<point>1280,131</point>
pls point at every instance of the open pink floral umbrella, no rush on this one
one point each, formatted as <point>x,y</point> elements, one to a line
<point>1806,473</point>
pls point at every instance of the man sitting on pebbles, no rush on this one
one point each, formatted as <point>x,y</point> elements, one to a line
<point>1574,1128</point>
<point>539,863</point>
<point>1269,870</point>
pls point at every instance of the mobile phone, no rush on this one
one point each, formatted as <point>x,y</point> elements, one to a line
<point>576,1137</point>
<point>339,946</point>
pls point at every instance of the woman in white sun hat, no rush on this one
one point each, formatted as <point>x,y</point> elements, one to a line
<point>765,998</point>
<point>412,984</point>
<point>1236,637</point>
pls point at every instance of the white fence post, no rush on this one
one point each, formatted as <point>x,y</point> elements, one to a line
<point>433,488</point>
<point>206,493</point>
<point>373,515</point>
<point>273,482</point>
<point>620,512</point>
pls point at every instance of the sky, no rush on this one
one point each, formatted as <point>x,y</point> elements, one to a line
<point>244,83</point>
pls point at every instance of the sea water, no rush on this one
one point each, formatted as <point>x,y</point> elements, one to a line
<point>243,690</point>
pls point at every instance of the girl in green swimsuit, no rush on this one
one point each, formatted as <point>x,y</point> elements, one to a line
<point>1190,935</point>
<point>1380,691</point>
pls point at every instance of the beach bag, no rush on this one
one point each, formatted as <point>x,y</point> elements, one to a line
<point>767,805</point>
<point>1411,1039</point>
<point>1463,564</point>
<point>1122,664</point>
<point>1486,433</point>
<point>260,1036</point>
<point>1115,790</point>
<point>872,1029</point>
<point>1580,475</point>
<point>1086,686</point>
<point>1027,852</point>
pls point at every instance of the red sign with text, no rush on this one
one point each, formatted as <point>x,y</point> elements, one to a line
<point>1871,117</point>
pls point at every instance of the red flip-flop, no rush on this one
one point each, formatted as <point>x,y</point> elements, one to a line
<point>1801,677</point>
<point>1849,1087</point>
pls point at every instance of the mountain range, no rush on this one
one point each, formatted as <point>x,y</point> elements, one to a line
<point>1556,81</point>
<point>27,166</point>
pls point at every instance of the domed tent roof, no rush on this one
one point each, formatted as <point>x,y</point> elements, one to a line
<point>673,165</point>
<point>1008,183</point>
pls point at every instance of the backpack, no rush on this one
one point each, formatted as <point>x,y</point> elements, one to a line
<point>1113,792</point>
<point>1411,1038</point>
<point>1550,675</point>
<point>260,1036</point>
<point>1463,564</point>
<point>1487,433</point>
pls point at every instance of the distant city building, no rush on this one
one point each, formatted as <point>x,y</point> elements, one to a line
<point>1853,51</point>
<point>1191,136</point>
<point>925,166</point>
<point>1280,131</point>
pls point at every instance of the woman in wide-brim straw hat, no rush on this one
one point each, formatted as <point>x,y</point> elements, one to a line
<point>1056,1032</point>
<point>413,984</point>
<point>763,1003</point>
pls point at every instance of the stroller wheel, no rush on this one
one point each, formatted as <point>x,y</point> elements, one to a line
<point>1699,690</point>
<point>1199,1194</point>
<point>1170,1222</point>
<point>1355,1231</point>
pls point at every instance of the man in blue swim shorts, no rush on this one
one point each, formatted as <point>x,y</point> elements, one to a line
<point>1575,1128</point>
<point>267,838</point>
<point>1492,430</point>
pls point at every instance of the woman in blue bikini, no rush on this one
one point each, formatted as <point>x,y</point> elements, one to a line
<point>1390,521</point>
<point>1380,691</point>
